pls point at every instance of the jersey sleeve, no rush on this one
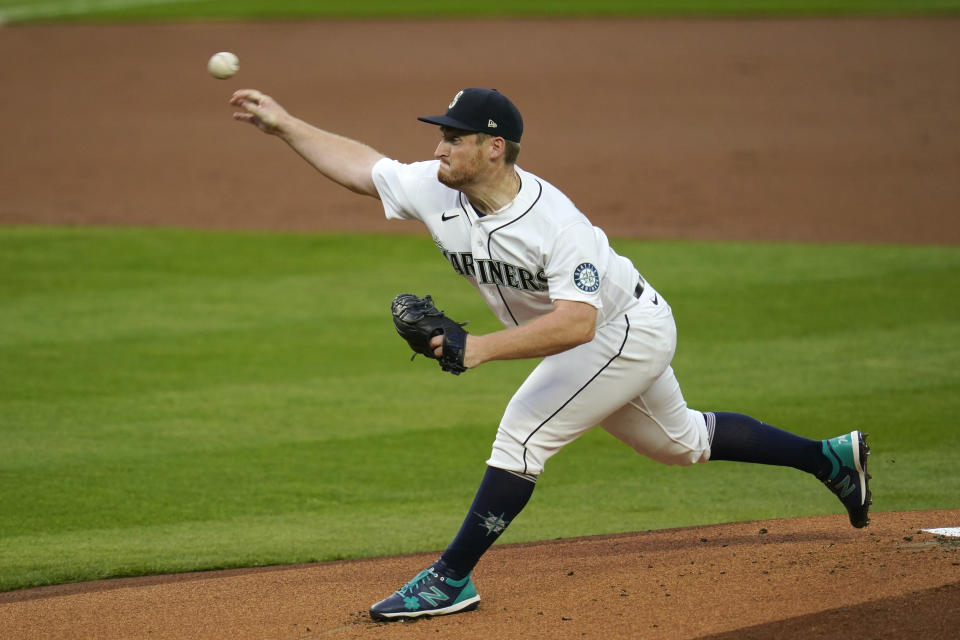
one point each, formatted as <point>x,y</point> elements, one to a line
<point>405,189</point>
<point>575,265</point>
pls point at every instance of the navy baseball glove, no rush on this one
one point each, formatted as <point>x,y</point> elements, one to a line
<point>417,320</point>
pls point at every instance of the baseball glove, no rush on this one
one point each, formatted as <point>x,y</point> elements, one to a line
<point>417,320</point>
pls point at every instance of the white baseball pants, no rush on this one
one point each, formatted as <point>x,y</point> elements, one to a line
<point>621,380</point>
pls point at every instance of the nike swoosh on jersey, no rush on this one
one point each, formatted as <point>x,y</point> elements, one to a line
<point>444,217</point>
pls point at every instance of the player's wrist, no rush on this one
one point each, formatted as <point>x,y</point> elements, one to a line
<point>289,128</point>
<point>473,352</point>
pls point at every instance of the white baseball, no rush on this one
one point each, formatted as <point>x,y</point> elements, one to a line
<point>223,65</point>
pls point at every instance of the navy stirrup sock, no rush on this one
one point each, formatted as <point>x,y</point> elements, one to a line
<point>741,438</point>
<point>501,496</point>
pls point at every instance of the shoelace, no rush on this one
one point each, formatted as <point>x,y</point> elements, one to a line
<point>423,576</point>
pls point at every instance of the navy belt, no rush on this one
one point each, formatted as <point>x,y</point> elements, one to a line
<point>639,290</point>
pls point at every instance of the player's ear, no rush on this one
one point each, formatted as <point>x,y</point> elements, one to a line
<point>498,146</point>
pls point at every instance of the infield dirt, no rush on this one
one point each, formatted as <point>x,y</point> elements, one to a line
<point>806,130</point>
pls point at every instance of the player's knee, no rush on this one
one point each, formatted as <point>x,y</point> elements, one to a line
<point>684,448</point>
<point>677,454</point>
<point>510,454</point>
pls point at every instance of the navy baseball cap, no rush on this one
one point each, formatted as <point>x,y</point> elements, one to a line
<point>481,110</point>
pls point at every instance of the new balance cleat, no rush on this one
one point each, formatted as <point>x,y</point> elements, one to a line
<point>848,478</point>
<point>428,594</point>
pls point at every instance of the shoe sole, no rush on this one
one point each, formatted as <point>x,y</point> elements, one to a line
<point>467,605</point>
<point>860,461</point>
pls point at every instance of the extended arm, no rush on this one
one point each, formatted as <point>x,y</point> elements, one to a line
<point>345,161</point>
<point>570,324</point>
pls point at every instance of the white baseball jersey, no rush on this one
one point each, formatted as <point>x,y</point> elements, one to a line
<point>541,248</point>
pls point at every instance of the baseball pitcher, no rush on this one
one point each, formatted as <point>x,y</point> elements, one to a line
<point>606,336</point>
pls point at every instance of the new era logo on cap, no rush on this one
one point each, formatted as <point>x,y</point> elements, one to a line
<point>482,110</point>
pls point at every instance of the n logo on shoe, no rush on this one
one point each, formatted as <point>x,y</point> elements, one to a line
<point>434,596</point>
<point>845,487</point>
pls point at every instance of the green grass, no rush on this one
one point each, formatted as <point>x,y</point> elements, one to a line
<point>178,400</point>
<point>24,11</point>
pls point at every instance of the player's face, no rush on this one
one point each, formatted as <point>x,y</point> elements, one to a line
<point>461,157</point>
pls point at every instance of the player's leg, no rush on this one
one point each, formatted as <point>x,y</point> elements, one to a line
<point>740,438</point>
<point>658,424</point>
<point>447,585</point>
<point>500,498</point>
<point>840,462</point>
<point>563,397</point>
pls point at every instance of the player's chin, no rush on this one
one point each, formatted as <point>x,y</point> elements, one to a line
<point>450,179</point>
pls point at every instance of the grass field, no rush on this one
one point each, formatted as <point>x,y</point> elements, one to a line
<point>175,400</point>
<point>24,11</point>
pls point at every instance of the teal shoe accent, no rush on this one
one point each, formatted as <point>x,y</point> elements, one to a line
<point>467,590</point>
<point>840,452</point>
<point>834,459</point>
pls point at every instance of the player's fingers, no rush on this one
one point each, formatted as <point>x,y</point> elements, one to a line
<point>248,97</point>
<point>254,114</point>
<point>250,108</point>
<point>247,94</point>
<point>258,109</point>
<point>247,105</point>
<point>436,343</point>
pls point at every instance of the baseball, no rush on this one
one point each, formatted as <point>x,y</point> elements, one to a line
<point>223,65</point>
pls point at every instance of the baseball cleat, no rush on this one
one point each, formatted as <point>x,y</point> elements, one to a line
<point>848,478</point>
<point>428,594</point>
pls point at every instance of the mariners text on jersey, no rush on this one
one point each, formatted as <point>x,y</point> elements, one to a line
<point>487,271</point>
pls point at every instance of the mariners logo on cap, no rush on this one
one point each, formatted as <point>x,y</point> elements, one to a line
<point>455,99</point>
<point>586,277</point>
